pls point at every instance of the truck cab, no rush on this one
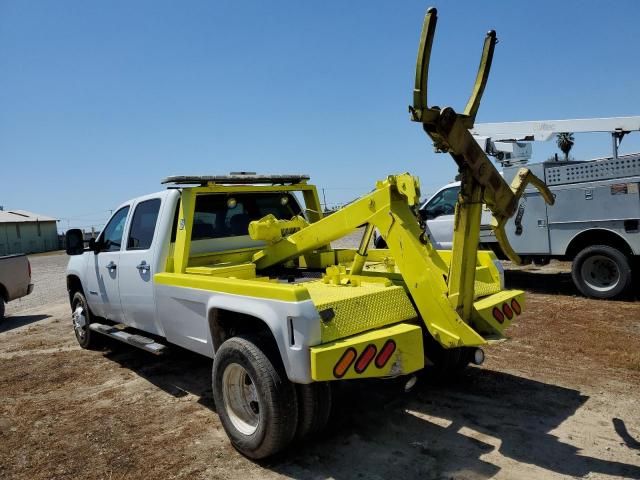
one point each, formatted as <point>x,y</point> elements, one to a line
<point>116,271</point>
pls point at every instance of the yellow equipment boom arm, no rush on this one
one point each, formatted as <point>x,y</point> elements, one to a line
<point>389,208</point>
<point>444,294</point>
<point>480,180</point>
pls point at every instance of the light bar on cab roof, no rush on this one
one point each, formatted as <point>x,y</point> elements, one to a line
<point>236,179</point>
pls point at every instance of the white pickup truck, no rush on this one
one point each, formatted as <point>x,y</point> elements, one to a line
<point>438,211</point>
<point>239,268</point>
<point>15,279</point>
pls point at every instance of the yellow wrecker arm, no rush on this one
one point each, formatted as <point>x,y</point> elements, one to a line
<point>480,180</point>
<point>445,294</point>
<point>391,209</point>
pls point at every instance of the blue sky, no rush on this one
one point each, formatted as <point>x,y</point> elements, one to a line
<point>100,100</point>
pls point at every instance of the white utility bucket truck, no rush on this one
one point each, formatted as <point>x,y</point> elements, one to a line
<point>595,221</point>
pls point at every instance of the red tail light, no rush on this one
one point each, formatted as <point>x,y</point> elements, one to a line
<point>516,306</point>
<point>385,353</point>
<point>365,358</point>
<point>507,311</point>
<point>498,315</point>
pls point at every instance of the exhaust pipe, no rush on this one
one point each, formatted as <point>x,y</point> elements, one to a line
<point>478,356</point>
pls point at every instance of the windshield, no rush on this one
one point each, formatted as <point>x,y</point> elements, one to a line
<point>224,215</point>
<point>442,203</point>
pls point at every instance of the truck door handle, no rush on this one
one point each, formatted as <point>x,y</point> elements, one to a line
<point>143,266</point>
<point>111,265</point>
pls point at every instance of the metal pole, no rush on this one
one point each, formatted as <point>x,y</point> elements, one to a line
<point>324,199</point>
<point>361,254</point>
<point>614,142</point>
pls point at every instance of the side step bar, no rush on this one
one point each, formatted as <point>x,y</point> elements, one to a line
<point>144,343</point>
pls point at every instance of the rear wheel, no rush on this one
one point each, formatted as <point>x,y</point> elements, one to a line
<point>314,408</point>
<point>445,363</point>
<point>81,316</point>
<point>601,271</point>
<point>255,400</point>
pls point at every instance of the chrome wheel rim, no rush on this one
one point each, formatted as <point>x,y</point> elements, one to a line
<point>241,399</point>
<point>600,273</point>
<point>79,322</point>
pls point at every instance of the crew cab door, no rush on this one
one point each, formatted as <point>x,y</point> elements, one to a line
<point>103,269</point>
<point>439,213</point>
<point>137,262</point>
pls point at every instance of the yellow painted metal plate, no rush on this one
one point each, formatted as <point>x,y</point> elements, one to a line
<point>250,288</point>
<point>386,352</point>
<point>483,316</point>
<point>359,308</point>
<point>243,270</point>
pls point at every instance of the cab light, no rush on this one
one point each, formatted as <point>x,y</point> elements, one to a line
<point>507,311</point>
<point>498,315</point>
<point>516,306</point>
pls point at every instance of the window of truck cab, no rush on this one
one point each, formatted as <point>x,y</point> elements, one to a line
<point>442,203</point>
<point>143,224</point>
<point>221,220</point>
<point>110,238</point>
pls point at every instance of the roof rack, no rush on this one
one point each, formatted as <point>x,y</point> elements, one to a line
<point>236,178</point>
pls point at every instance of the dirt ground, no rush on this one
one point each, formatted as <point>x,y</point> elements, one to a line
<point>559,400</point>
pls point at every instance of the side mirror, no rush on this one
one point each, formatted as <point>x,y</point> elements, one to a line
<point>74,241</point>
<point>423,214</point>
<point>93,245</point>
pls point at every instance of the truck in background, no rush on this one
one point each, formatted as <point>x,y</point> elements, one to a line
<point>595,222</point>
<point>15,279</point>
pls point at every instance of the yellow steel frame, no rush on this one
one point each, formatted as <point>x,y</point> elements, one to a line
<point>451,302</point>
<point>480,181</point>
<point>182,247</point>
<point>390,208</point>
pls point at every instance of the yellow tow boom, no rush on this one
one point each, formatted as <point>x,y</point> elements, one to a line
<point>445,294</point>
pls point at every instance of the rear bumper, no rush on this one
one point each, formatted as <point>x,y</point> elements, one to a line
<point>386,352</point>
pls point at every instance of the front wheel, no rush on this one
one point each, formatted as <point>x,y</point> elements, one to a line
<point>601,271</point>
<point>255,400</point>
<point>81,316</point>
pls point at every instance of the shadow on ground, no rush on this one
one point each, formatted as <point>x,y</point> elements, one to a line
<point>17,321</point>
<point>559,283</point>
<point>434,431</point>
<point>178,373</point>
<point>621,429</point>
<point>551,283</point>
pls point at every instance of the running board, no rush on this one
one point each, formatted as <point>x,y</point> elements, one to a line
<point>116,332</point>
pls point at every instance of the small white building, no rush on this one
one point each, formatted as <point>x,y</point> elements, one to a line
<point>26,232</point>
